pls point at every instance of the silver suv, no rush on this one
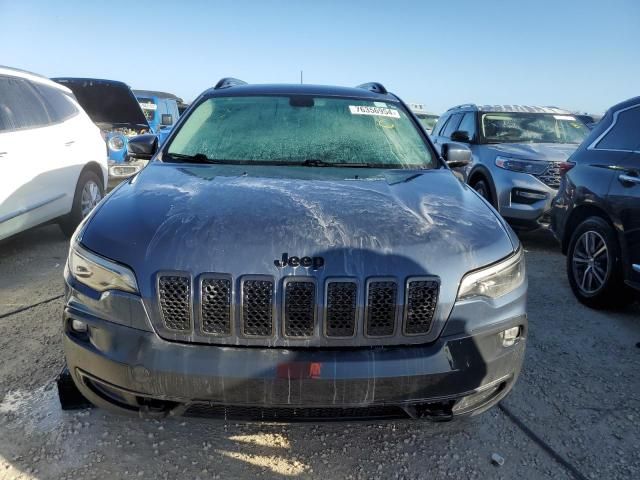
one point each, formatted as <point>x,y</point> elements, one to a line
<point>518,154</point>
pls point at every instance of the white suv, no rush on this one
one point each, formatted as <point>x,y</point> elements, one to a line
<point>53,158</point>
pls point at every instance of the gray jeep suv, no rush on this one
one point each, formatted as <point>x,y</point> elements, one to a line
<point>519,154</point>
<point>295,252</point>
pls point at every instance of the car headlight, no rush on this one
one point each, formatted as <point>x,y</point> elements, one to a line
<point>116,143</point>
<point>98,273</point>
<point>534,167</point>
<point>494,281</point>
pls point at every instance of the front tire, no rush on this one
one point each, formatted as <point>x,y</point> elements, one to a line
<point>594,266</point>
<point>482,187</point>
<point>89,192</point>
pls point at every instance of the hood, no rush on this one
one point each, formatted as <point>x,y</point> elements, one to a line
<point>552,152</point>
<point>106,101</point>
<point>239,220</point>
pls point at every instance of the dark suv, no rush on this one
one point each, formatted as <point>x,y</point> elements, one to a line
<point>295,252</point>
<point>596,214</point>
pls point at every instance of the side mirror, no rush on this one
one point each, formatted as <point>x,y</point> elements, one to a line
<point>460,136</point>
<point>166,120</point>
<point>455,155</point>
<point>142,147</point>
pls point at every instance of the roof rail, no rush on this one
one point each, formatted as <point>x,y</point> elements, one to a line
<point>464,105</point>
<point>374,87</point>
<point>227,82</point>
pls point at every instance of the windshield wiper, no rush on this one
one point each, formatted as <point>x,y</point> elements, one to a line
<point>196,158</point>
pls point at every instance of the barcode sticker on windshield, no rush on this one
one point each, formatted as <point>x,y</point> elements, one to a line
<point>377,111</point>
<point>564,117</point>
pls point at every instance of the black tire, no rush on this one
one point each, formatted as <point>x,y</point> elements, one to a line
<point>594,266</point>
<point>81,207</point>
<point>482,187</point>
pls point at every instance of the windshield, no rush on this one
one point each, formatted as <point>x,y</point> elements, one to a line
<point>427,121</point>
<point>532,128</point>
<point>301,130</point>
<point>148,106</point>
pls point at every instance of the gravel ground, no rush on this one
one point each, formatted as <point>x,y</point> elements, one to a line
<point>574,413</point>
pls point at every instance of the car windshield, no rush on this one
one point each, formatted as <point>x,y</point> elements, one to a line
<point>301,130</point>
<point>427,121</point>
<point>149,107</point>
<point>532,128</point>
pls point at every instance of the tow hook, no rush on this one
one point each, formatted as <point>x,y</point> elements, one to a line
<point>436,412</point>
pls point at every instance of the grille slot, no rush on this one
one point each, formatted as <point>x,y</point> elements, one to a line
<point>216,306</point>
<point>341,309</point>
<point>551,176</point>
<point>292,414</point>
<point>420,305</point>
<point>257,308</point>
<point>299,308</point>
<point>175,301</point>
<point>381,308</point>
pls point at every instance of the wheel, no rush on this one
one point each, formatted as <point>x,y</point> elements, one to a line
<point>68,394</point>
<point>481,186</point>
<point>594,266</point>
<point>89,191</point>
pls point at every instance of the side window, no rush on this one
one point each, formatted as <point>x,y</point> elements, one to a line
<point>625,134</point>
<point>452,125</point>
<point>59,105</point>
<point>468,124</point>
<point>20,106</point>
<point>442,121</point>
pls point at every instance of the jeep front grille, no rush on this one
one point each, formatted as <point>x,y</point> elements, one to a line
<point>381,308</point>
<point>296,311</point>
<point>422,296</point>
<point>551,176</point>
<point>175,301</point>
<point>341,311</point>
<point>216,306</point>
<point>257,308</point>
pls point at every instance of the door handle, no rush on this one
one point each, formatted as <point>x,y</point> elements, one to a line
<point>624,178</point>
<point>2,154</point>
<point>69,143</point>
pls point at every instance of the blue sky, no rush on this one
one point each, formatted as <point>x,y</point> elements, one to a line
<point>581,55</point>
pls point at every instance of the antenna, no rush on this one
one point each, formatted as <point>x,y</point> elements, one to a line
<point>301,77</point>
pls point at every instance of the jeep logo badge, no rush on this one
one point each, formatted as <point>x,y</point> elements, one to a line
<point>314,262</point>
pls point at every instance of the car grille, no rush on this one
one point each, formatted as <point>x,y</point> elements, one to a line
<point>341,309</point>
<point>216,306</point>
<point>551,176</point>
<point>329,314</point>
<point>292,414</point>
<point>257,308</point>
<point>175,299</point>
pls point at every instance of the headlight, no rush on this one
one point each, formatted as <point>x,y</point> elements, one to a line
<point>494,281</point>
<point>116,143</point>
<point>534,167</point>
<point>99,273</point>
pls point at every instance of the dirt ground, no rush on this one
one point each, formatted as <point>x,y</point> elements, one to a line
<point>575,412</point>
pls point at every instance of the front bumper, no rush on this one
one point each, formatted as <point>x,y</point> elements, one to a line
<point>522,199</point>
<point>134,371</point>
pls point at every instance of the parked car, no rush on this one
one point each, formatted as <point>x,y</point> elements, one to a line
<point>115,110</point>
<point>428,120</point>
<point>589,120</point>
<point>53,157</point>
<point>596,215</point>
<point>400,293</point>
<point>519,153</point>
<point>160,110</point>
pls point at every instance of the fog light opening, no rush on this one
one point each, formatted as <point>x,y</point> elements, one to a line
<point>79,326</point>
<point>509,336</point>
